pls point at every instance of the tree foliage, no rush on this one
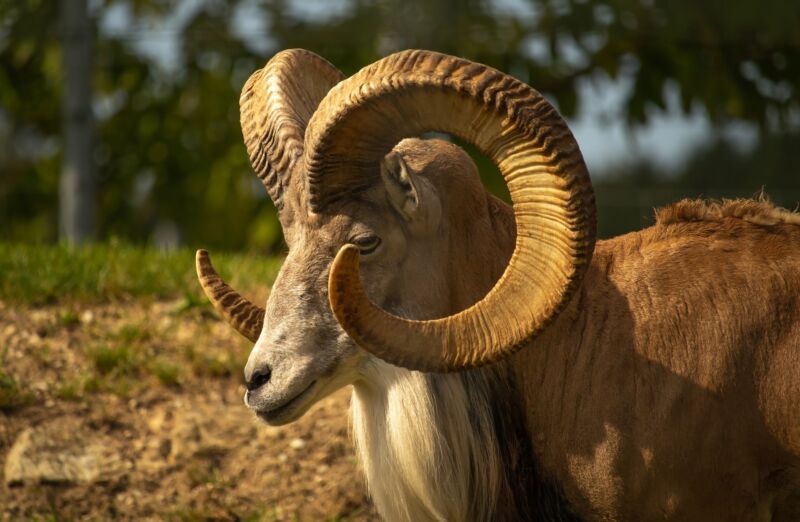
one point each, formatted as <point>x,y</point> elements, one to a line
<point>734,59</point>
<point>170,158</point>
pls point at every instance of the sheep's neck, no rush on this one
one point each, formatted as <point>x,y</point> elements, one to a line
<point>452,446</point>
<point>426,444</point>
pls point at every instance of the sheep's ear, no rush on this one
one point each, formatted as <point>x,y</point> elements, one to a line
<point>400,187</point>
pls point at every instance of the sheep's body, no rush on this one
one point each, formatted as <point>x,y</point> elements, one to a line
<point>660,392</point>
<point>670,387</point>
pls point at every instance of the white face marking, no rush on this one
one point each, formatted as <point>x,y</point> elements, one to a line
<point>302,353</point>
<point>302,347</point>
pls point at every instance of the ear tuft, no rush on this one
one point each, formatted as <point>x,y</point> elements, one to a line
<point>400,187</point>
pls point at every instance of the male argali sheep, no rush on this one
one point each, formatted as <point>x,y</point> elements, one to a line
<point>505,366</point>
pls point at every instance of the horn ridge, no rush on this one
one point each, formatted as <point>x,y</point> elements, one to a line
<point>245,317</point>
<point>276,103</point>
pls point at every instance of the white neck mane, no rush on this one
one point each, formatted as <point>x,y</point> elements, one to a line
<point>426,443</point>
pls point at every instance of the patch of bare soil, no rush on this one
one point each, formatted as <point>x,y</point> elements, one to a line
<point>133,411</point>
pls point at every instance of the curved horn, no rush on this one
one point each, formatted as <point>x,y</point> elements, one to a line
<point>275,106</point>
<point>239,312</point>
<point>412,92</point>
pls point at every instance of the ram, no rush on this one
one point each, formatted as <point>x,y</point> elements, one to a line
<point>504,364</point>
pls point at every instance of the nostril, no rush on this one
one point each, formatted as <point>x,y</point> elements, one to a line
<point>258,379</point>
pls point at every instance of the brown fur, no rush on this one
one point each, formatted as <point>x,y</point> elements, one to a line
<point>757,211</point>
<point>669,388</point>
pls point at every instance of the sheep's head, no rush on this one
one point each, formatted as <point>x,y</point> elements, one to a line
<point>369,218</point>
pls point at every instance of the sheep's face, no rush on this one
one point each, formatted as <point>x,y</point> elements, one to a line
<point>302,353</point>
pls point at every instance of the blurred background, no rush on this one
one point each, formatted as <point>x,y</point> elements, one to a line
<point>120,152</point>
<point>667,99</point>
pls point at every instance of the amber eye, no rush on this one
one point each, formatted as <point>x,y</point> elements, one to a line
<point>366,244</point>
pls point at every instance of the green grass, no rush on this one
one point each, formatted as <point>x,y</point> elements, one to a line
<point>133,333</point>
<point>70,389</point>
<point>212,365</point>
<point>42,274</point>
<point>168,374</point>
<point>68,318</point>
<point>12,396</point>
<point>118,359</point>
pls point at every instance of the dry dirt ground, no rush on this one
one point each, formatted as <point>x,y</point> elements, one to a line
<point>133,411</point>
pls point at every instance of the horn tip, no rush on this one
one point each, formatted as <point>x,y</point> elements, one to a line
<point>344,273</point>
<point>203,264</point>
<point>202,258</point>
<point>349,250</point>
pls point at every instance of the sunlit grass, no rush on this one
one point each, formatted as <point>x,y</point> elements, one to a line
<point>167,373</point>
<point>217,365</point>
<point>70,389</point>
<point>42,274</point>
<point>12,396</point>
<point>133,353</point>
<point>120,359</point>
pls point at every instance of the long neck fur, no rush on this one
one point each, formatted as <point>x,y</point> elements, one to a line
<point>426,453</point>
<point>448,447</point>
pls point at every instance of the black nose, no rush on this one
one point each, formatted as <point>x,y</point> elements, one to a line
<point>258,379</point>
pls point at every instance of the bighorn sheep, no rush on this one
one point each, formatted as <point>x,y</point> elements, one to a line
<point>654,375</point>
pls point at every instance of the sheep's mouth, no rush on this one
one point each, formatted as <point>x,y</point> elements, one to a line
<point>287,411</point>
